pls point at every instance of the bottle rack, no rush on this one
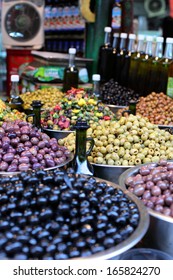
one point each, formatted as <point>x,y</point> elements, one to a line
<point>64,26</point>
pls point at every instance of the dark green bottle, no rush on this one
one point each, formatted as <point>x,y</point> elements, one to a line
<point>135,61</point>
<point>36,105</point>
<point>126,61</point>
<point>120,57</point>
<point>105,57</point>
<point>80,162</point>
<point>144,68</point>
<point>155,75</point>
<point>71,72</point>
<point>166,82</point>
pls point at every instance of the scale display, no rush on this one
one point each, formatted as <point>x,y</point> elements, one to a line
<point>22,22</point>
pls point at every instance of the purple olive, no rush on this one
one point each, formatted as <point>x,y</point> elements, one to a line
<point>28,144</point>
<point>15,141</point>
<point>50,162</point>
<point>23,159</point>
<point>155,190</point>
<point>149,185</point>
<point>12,168</point>
<point>23,167</point>
<point>33,159</point>
<point>24,138</point>
<point>146,195</point>
<point>8,157</point>
<point>3,166</point>
<point>41,144</point>
<point>162,185</point>
<point>139,189</point>
<point>5,146</point>
<point>26,154</point>
<point>34,140</point>
<point>36,166</point>
<point>39,157</point>
<point>144,171</point>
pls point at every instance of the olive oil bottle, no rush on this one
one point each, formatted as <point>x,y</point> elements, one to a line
<point>126,61</point>
<point>144,68</point>
<point>15,101</point>
<point>120,57</point>
<point>71,72</point>
<point>96,86</point>
<point>155,76</point>
<point>167,69</point>
<point>80,162</point>
<point>105,57</point>
<point>134,62</point>
<point>115,49</point>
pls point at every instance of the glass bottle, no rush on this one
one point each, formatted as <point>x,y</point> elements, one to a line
<point>126,60</point>
<point>134,62</point>
<point>155,68</point>
<point>105,57</point>
<point>80,162</point>
<point>144,68</point>
<point>70,72</point>
<point>120,57</point>
<point>36,105</point>
<point>115,49</point>
<point>96,86</point>
<point>15,100</point>
<point>167,68</point>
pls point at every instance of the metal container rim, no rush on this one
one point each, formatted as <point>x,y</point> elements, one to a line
<point>134,171</point>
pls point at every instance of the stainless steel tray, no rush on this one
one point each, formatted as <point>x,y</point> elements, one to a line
<point>160,233</point>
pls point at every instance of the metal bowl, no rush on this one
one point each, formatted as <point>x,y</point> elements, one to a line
<point>58,134</point>
<point>134,238</point>
<point>66,162</point>
<point>115,108</point>
<point>109,172</point>
<point>160,232</point>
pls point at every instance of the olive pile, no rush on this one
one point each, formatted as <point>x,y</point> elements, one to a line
<point>48,96</point>
<point>157,107</point>
<point>154,186</point>
<point>129,141</point>
<point>113,93</point>
<point>55,215</point>
<point>23,147</point>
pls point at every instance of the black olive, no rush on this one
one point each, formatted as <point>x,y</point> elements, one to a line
<point>51,249</point>
<point>61,256</point>
<point>36,250</point>
<point>97,248</point>
<point>13,247</point>
<point>46,214</point>
<point>4,225</point>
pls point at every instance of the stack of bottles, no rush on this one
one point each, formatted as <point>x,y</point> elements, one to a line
<point>137,63</point>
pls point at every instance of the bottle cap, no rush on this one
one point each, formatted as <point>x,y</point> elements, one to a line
<point>107,29</point>
<point>14,78</point>
<point>169,40</point>
<point>72,51</point>
<point>96,77</point>
<point>141,37</point>
<point>160,39</point>
<point>116,35</point>
<point>149,38</point>
<point>123,35</point>
<point>132,36</point>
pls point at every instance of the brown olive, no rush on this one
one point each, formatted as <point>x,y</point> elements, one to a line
<point>139,189</point>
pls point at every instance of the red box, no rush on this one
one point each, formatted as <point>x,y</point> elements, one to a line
<point>15,58</point>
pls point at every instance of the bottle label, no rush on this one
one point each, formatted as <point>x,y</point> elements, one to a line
<point>169,91</point>
<point>116,17</point>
